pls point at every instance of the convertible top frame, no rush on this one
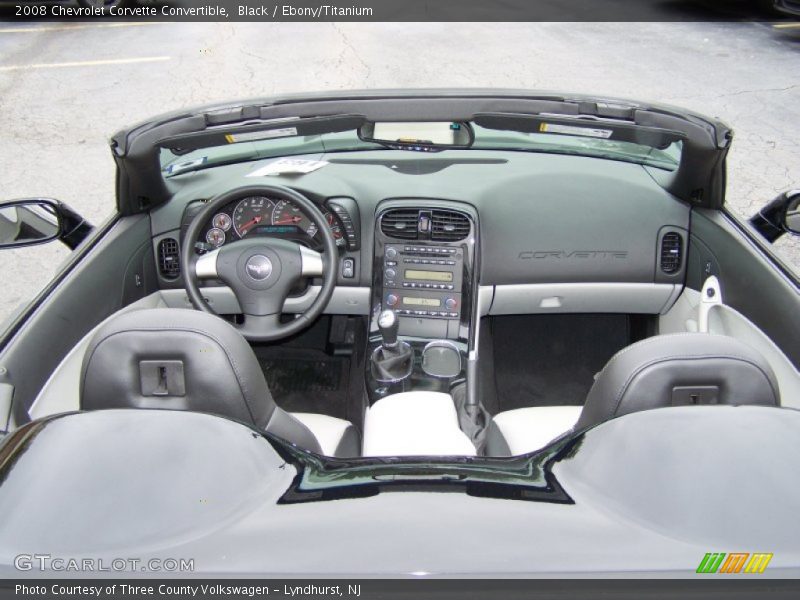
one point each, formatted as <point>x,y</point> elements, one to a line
<point>699,179</point>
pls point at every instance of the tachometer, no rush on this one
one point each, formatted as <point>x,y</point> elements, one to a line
<point>251,213</point>
<point>287,214</point>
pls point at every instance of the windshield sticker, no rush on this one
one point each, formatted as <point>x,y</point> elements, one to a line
<point>571,130</point>
<point>253,136</point>
<point>186,165</point>
<point>287,166</point>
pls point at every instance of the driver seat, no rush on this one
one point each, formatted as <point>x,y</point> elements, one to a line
<point>180,359</point>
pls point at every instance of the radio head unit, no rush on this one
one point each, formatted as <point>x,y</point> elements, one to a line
<point>423,280</point>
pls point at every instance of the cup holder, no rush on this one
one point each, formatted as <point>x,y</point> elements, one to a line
<point>441,359</point>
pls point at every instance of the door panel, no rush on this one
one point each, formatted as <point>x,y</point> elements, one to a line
<point>759,289</point>
<point>113,271</point>
<point>725,320</point>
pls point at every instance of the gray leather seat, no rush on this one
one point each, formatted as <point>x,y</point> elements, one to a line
<point>181,359</point>
<point>662,371</point>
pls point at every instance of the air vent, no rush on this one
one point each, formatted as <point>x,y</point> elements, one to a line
<point>400,223</point>
<point>169,258</point>
<point>449,226</point>
<point>671,246</point>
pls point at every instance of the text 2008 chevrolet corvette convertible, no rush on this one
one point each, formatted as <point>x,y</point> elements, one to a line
<point>306,305</point>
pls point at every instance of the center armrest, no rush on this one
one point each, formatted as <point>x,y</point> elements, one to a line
<point>415,424</point>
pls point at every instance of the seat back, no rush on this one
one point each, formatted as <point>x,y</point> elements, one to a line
<point>680,369</point>
<point>182,359</point>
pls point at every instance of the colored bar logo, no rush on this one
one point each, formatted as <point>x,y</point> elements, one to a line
<point>735,562</point>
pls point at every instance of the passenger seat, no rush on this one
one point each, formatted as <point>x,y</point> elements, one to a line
<point>665,370</point>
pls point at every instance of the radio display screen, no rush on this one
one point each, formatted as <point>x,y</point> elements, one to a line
<point>411,301</point>
<point>429,275</point>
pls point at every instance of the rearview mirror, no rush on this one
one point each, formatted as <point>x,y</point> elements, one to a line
<point>28,222</point>
<point>420,136</point>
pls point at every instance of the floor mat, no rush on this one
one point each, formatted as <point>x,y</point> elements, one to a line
<point>549,360</point>
<point>306,380</point>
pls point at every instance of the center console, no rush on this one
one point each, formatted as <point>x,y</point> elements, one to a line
<point>424,293</point>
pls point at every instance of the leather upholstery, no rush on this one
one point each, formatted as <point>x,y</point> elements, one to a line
<point>220,372</point>
<point>644,375</point>
<point>336,437</point>
<point>524,430</point>
<point>415,424</point>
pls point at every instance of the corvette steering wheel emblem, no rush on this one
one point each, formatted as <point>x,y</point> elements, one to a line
<point>259,267</point>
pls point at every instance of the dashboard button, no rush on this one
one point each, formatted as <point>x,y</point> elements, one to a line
<point>450,303</point>
<point>391,253</point>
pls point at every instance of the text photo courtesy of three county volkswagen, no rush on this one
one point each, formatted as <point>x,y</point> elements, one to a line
<point>434,299</point>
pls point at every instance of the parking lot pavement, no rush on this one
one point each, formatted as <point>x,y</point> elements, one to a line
<point>65,88</point>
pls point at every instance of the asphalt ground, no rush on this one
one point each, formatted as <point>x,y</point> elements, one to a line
<point>66,87</point>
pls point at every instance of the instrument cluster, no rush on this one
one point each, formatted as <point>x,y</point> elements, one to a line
<point>260,215</point>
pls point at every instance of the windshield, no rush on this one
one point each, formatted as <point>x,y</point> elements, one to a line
<point>485,139</point>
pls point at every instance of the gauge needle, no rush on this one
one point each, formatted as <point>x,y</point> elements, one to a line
<point>250,223</point>
<point>294,219</point>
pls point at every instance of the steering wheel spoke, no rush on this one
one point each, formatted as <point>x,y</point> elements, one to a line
<point>205,267</point>
<point>312,263</point>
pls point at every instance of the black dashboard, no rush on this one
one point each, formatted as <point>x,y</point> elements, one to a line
<point>544,220</point>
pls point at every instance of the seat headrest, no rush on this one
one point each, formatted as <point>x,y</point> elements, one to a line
<point>175,359</point>
<point>680,369</point>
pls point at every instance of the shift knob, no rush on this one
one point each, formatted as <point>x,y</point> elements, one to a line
<point>388,324</point>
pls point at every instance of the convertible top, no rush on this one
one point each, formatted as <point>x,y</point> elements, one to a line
<point>699,179</point>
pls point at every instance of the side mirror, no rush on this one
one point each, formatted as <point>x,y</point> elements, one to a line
<point>28,222</point>
<point>35,221</point>
<point>791,219</point>
<point>780,216</point>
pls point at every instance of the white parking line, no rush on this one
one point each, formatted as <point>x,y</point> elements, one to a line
<point>71,27</point>
<point>87,63</point>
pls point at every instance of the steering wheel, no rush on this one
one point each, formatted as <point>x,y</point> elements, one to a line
<point>261,271</point>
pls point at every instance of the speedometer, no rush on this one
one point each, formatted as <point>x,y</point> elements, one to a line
<point>251,213</point>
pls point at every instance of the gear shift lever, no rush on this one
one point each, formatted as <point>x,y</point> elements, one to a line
<point>388,324</point>
<point>393,360</point>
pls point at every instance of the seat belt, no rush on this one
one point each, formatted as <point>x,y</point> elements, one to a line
<point>710,296</point>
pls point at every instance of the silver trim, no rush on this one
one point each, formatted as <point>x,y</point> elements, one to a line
<point>344,301</point>
<point>542,298</point>
<point>206,265</point>
<point>485,297</point>
<point>710,297</point>
<point>387,318</point>
<point>439,344</point>
<point>311,264</point>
